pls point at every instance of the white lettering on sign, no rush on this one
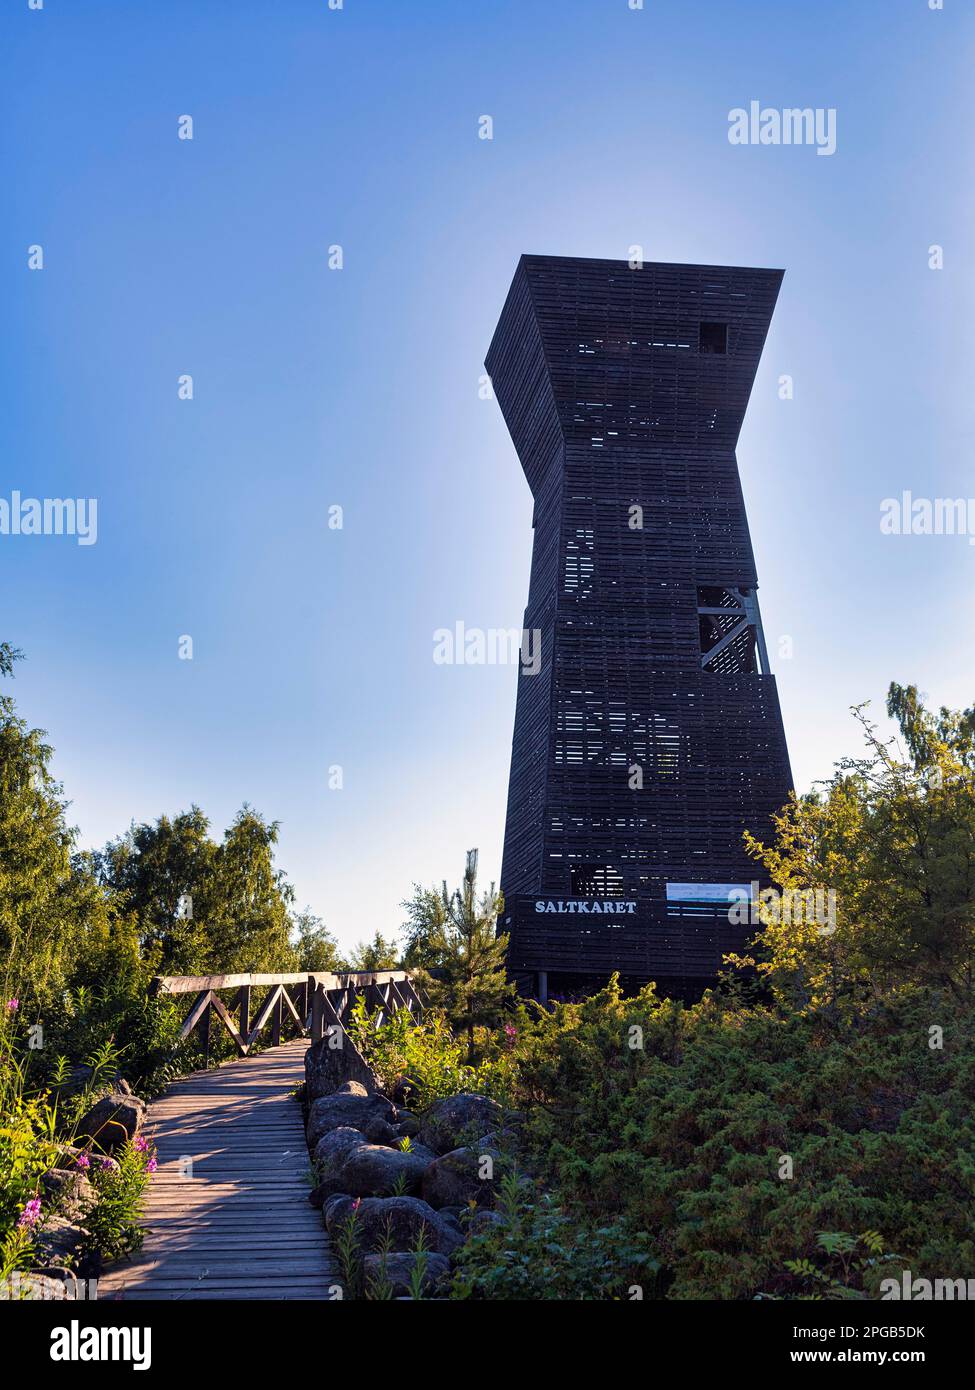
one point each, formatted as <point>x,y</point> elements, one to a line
<point>585,907</point>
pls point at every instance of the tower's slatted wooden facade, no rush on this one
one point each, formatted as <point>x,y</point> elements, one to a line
<point>651,737</point>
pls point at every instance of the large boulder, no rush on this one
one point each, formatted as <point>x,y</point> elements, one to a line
<point>330,1153</point>
<point>327,1068</point>
<point>380,1131</point>
<point>59,1243</point>
<point>458,1120</point>
<point>484,1219</point>
<point>352,1105</point>
<point>331,1200</point>
<point>334,1147</point>
<point>400,1219</point>
<point>374,1170</point>
<point>69,1191</point>
<point>455,1179</point>
<point>112,1120</point>
<point>396,1269</point>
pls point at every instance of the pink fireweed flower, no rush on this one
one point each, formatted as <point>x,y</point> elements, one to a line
<point>510,1031</point>
<point>151,1166</point>
<point>141,1145</point>
<point>31,1214</point>
<point>106,1165</point>
<point>82,1161</point>
<point>13,1005</point>
<point>355,1203</point>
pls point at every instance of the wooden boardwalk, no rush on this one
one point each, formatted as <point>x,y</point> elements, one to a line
<point>237,1223</point>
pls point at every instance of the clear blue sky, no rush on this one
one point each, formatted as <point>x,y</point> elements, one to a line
<point>313,387</point>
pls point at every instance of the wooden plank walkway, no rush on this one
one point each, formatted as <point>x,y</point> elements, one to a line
<point>240,1226</point>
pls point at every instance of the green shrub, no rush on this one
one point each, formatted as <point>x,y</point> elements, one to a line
<point>685,1138</point>
<point>28,1148</point>
<point>36,1123</point>
<point>114,1219</point>
<point>536,1252</point>
<point>844,1267</point>
<point>427,1056</point>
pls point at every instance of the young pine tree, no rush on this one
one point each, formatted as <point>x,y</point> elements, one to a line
<point>470,984</point>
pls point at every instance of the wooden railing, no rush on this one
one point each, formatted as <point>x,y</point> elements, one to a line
<point>307,1003</point>
<point>334,995</point>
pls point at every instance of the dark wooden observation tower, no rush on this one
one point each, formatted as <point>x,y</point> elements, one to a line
<point>650,737</point>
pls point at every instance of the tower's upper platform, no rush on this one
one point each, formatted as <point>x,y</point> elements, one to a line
<point>598,355</point>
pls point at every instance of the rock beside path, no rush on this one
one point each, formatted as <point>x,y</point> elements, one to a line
<point>403,1218</point>
<point>112,1121</point>
<point>458,1178</point>
<point>458,1120</point>
<point>373,1170</point>
<point>397,1269</point>
<point>352,1106</point>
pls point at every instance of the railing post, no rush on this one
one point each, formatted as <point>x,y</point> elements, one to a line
<point>343,1003</point>
<point>203,1033</point>
<point>317,1010</point>
<point>244,1000</point>
<point>297,997</point>
<point>276,1018</point>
